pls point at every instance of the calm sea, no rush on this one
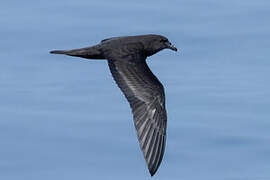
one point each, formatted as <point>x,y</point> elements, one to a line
<point>63,118</point>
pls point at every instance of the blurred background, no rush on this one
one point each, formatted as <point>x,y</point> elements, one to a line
<point>64,118</point>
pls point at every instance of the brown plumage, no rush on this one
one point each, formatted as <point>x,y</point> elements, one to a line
<point>127,62</point>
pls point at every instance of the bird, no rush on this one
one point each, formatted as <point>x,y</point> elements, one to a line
<point>126,57</point>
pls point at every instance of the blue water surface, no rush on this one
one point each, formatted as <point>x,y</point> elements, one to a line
<point>63,118</point>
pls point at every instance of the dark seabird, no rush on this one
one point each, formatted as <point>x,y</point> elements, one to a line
<point>126,57</point>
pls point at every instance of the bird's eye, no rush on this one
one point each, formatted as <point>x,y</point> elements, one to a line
<point>163,40</point>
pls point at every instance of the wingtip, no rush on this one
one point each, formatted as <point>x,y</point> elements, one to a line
<point>152,172</point>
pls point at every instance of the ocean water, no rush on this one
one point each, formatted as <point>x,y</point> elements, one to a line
<point>64,118</point>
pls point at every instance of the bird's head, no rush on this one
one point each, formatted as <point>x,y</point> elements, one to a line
<point>156,43</point>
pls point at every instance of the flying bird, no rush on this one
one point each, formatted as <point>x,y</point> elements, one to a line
<point>126,58</point>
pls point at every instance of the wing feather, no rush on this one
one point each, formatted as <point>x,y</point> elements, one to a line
<point>147,100</point>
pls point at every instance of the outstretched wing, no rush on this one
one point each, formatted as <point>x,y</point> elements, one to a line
<point>146,97</point>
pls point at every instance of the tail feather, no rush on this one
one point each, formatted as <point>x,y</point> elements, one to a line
<point>88,52</point>
<point>58,52</point>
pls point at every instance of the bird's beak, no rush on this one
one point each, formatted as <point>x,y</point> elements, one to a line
<point>171,46</point>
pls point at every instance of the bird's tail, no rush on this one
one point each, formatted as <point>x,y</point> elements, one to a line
<point>58,52</point>
<point>92,52</point>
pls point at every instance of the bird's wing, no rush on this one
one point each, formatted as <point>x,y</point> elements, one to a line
<point>147,100</point>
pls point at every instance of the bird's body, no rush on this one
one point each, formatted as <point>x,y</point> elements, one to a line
<point>127,62</point>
